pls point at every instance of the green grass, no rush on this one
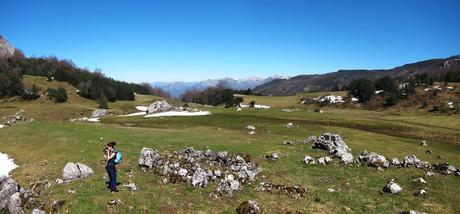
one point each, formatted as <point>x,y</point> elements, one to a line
<point>42,149</point>
<point>392,135</point>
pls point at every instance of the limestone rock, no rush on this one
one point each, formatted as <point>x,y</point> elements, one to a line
<point>159,106</point>
<point>98,113</point>
<point>392,187</point>
<point>76,171</point>
<point>373,159</point>
<point>309,160</point>
<point>324,160</point>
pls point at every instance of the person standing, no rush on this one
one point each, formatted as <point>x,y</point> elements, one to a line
<point>110,156</point>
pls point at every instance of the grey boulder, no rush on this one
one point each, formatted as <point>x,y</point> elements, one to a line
<point>75,171</point>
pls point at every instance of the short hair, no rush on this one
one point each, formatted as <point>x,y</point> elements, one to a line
<point>112,143</point>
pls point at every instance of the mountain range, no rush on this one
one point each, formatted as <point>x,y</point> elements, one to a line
<point>177,88</point>
<point>340,78</point>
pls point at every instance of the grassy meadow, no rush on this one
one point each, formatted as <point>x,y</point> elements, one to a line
<point>43,147</point>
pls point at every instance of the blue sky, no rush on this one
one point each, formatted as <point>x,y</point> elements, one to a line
<point>194,40</point>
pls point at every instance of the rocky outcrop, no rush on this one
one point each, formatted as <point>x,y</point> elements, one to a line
<point>159,106</point>
<point>17,118</point>
<point>336,147</point>
<point>75,171</point>
<point>99,113</point>
<point>199,168</point>
<point>13,197</point>
<point>6,49</point>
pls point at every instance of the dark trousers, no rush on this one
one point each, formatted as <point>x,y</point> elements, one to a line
<point>112,171</point>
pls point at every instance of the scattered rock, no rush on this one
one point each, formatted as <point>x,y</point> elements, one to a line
<point>331,190</point>
<point>392,187</point>
<point>324,160</point>
<point>421,192</point>
<point>420,180</point>
<point>309,160</point>
<point>131,186</point>
<point>430,174</point>
<point>396,162</point>
<point>251,132</point>
<point>423,143</point>
<point>373,159</point>
<point>446,168</point>
<point>248,207</point>
<point>250,127</point>
<point>289,110</point>
<point>76,171</point>
<point>412,161</point>
<point>273,156</point>
<point>57,205</point>
<point>114,202</point>
<point>429,151</point>
<point>289,125</point>
<point>287,142</point>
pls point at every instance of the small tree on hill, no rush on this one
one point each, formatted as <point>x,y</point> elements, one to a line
<point>363,89</point>
<point>102,101</point>
<point>59,95</point>
<point>32,94</point>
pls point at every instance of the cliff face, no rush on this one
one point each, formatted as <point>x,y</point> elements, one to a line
<point>6,49</point>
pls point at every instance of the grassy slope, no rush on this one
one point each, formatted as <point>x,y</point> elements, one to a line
<point>42,148</point>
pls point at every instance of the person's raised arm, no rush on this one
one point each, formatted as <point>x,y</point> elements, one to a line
<point>110,155</point>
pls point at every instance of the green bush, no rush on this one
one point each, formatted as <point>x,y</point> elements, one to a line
<point>59,95</point>
<point>363,89</point>
<point>32,94</point>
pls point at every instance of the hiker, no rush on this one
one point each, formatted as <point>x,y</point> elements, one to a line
<point>110,155</point>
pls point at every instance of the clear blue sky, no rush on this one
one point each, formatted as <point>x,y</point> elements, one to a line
<point>194,40</point>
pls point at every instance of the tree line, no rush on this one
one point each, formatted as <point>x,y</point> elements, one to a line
<point>91,85</point>
<point>217,95</point>
<point>394,89</point>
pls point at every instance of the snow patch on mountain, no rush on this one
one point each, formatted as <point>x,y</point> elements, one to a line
<point>177,88</point>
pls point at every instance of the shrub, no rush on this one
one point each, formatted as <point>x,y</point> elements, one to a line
<point>363,89</point>
<point>32,94</point>
<point>252,104</point>
<point>103,102</point>
<point>59,95</point>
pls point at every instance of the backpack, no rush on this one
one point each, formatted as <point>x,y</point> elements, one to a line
<point>118,157</point>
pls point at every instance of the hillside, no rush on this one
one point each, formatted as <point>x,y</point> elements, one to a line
<point>44,109</point>
<point>325,82</point>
